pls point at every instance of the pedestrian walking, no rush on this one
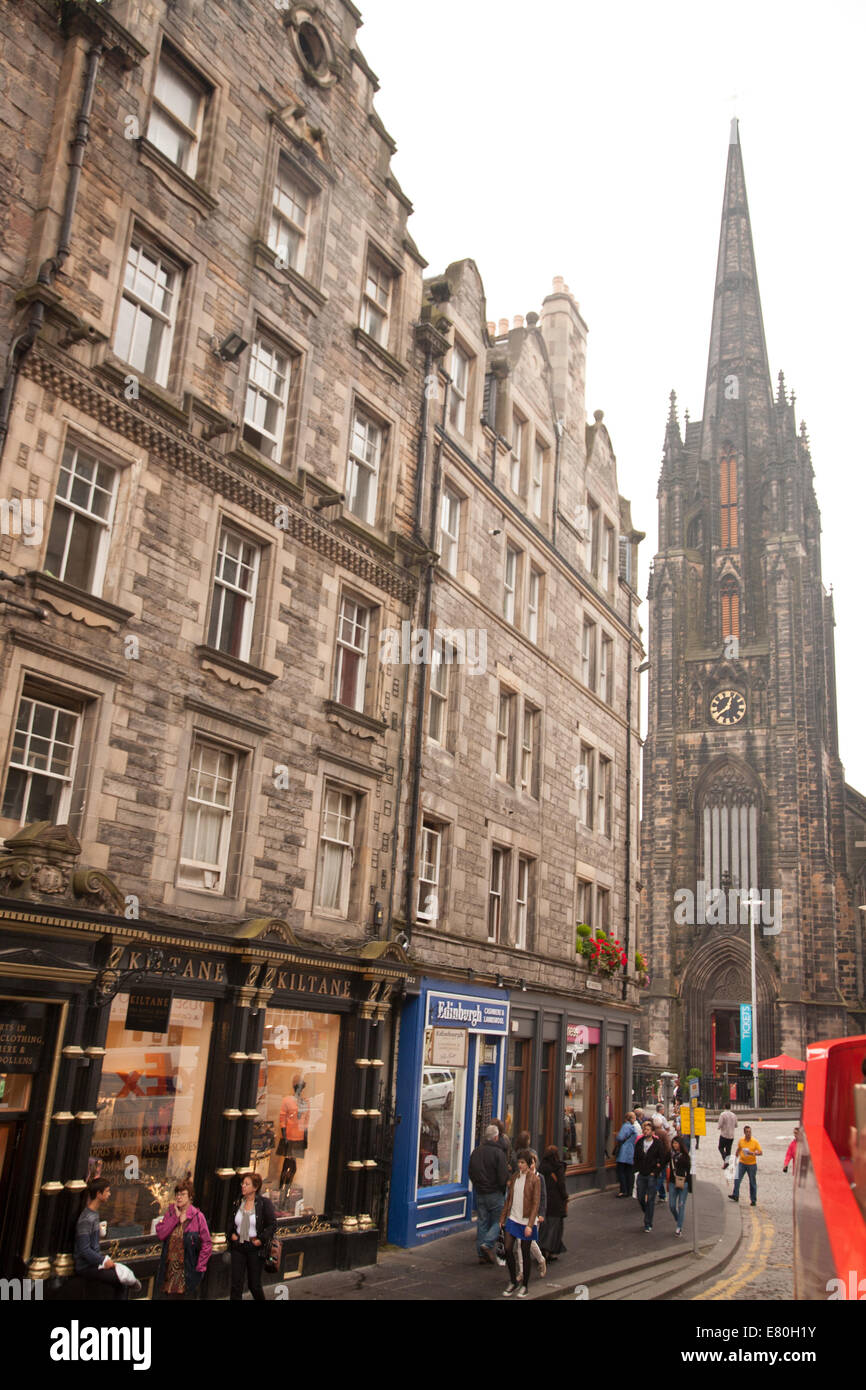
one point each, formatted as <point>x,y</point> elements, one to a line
<point>518,1221</point>
<point>252,1227</point>
<point>186,1247</point>
<point>748,1153</point>
<point>791,1152</point>
<point>648,1158</point>
<point>727,1130</point>
<point>679,1181</point>
<point>628,1132</point>
<point>552,1173</point>
<point>660,1129</point>
<point>488,1173</point>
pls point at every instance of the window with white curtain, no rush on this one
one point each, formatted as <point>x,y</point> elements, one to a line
<point>336,849</point>
<point>207,820</point>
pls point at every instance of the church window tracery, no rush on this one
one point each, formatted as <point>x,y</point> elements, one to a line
<point>729,821</point>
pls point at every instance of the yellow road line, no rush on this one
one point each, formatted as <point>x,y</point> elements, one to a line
<point>756,1260</point>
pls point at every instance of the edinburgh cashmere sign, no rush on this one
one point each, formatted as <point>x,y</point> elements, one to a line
<point>477,1015</point>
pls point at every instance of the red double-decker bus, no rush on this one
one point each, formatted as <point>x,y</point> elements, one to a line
<point>829,1220</point>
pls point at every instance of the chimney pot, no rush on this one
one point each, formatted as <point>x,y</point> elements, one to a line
<point>558,284</point>
<point>503,326</point>
<point>518,320</point>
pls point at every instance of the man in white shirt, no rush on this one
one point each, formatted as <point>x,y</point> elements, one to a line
<point>727,1129</point>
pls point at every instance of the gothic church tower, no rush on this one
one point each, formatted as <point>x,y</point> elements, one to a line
<point>743,786</point>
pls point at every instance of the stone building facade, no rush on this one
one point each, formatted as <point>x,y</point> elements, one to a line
<point>209,427</point>
<point>744,789</point>
<point>246,447</point>
<point>525,755</point>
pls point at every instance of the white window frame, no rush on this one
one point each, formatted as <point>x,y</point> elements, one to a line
<point>206,875</point>
<point>353,619</point>
<point>78,516</point>
<point>588,653</point>
<point>343,807</point>
<point>583,903</point>
<point>522,901</point>
<point>605,669</point>
<point>270,365</point>
<point>440,693</point>
<point>366,448</point>
<point>608,557</point>
<point>449,530</point>
<point>288,225</point>
<point>222,585</point>
<point>586,791</point>
<point>429,871</point>
<point>536,491</point>
<point>511,582</point>
<point>529,750</point>
<point>604,788</point>
<point>460,371</point>
<point>533,604</point>
<point>45,754</point>
<point>602,912</point>
<point>496,893</point>
<point>518,438</point>
<point>507,702</point>
<point>143,308</point>
<point>592,536</point>
<point>168,65</point>
<point>376,299</point>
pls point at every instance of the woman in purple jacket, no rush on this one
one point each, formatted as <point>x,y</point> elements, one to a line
<point>186,1247</point>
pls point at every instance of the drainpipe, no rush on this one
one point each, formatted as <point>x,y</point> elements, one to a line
<point>629,701</point>
<point>50,269</point>
<point>420,469</point>
<point>417,742</point>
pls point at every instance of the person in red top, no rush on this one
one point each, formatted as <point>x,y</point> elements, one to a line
<point>792,1149</point>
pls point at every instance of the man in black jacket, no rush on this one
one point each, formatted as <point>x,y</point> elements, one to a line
<point>648,1158</point>
<point>488,1173</point>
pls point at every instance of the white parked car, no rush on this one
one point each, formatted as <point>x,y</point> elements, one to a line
<point>437,1088</point>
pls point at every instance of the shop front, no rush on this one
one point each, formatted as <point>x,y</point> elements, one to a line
<point>450,1084</point>
<point>146,1054</point>
<point>568,1078</point>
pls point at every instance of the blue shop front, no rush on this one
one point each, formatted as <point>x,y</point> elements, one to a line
<point>450,1084</point>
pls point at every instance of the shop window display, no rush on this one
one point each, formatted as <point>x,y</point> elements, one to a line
<point>578,1140</point>
<point>146,1134</point>
<point>443,1102</point>
<point>295,1103</point>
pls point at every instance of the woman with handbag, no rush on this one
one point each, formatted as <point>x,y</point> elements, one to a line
<point>623,1152</point>
<point>186,1247</point>
<point>679,1181</point>
<point>252,1227</point>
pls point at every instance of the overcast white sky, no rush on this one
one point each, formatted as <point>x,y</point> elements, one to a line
<point>591,142</point>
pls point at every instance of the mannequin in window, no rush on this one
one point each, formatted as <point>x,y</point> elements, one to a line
<point>294,1121</point>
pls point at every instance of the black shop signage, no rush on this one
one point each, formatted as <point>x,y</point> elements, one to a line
<point>22,1037</point>
<point>148,1011</point>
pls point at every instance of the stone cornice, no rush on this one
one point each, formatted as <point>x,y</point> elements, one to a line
<point>261,497</point>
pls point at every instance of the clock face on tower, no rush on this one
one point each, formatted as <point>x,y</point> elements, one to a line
<point>727,707</point>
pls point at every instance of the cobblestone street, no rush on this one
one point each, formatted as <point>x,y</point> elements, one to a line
<point>763,1265</point>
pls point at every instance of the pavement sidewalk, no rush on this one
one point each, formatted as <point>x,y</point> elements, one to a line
<point>608,1256</point>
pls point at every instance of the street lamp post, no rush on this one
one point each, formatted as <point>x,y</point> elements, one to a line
<point>753,902</point>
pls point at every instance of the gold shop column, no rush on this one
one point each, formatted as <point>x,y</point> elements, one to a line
<point>373,1013</point>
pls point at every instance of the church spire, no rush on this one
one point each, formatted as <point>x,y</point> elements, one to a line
<point>738,373</point>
